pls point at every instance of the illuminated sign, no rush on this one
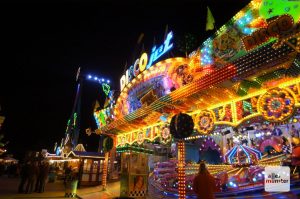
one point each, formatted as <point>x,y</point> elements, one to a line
<point>278,28</point>
<point>142,63</point>
<point>105,88</point>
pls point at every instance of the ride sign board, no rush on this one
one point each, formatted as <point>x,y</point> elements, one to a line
<point>142,63</point>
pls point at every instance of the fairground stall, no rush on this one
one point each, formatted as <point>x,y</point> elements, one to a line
<point>88,165</point>
<point>233,102</point>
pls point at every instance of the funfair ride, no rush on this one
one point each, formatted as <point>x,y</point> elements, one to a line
<point>240,86</point>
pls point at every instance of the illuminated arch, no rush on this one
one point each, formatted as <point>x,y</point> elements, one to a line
<point>162,72</point>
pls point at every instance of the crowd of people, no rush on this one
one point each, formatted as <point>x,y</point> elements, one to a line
<point>33,176</point>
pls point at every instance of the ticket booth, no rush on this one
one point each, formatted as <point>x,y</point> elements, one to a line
<point>134,174</point>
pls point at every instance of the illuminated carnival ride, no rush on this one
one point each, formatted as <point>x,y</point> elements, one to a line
<point>240,92</point>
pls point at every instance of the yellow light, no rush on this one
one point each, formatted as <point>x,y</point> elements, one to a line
<point>143,62</point>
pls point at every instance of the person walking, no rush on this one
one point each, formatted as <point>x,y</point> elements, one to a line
<point>37,175</point>
<point>204,184</point>
<point>31,177</point>
<point>44,171</point>
<point>24,174</point>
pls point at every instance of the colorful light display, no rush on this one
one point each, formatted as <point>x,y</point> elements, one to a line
<point>273,8</point>
<point>222,78</point>
<point>105,170</point>
<point>276,105</point>
<point>242,155</point>
<point>205,121</point>
<point>139,136</point>
<point>142,63</point>
<point>181,170</point>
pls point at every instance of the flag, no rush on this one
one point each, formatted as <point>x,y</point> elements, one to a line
<point>166,32</point>
<point>140,38</point>
<point>210,21</point>
<point>97,106</point>
<point>106,103</point>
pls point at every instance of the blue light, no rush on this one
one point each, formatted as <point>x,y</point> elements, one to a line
<point>254,179</point>
<point>247,31</point>
<point>257,135</point>
<point>95,78</point>
<point>232,154</point>
<point>246,153</point>
<point>102,80</point>
<point>234,185</point>
<point>231,183</point>
<point>158,52</point>
<point>108,81</point>
<point>252,149</point>
<point>89,76</point>
<point>259,175</point>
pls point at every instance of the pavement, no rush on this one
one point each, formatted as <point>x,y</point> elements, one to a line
<point>56,190</point>
<point>9,186</point>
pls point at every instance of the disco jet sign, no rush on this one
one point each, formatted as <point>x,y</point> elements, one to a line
<point>142,63</point>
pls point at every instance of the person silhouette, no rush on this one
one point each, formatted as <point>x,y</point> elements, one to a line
<point>204,184</point>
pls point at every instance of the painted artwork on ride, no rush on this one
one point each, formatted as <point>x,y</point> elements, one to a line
<point>154,83</point>
<point>150,134</point>
<point>147,92</point>
<point>138,163</point>
<point>103,117</point>
<point>248,29</point>
<point>134,176</point>
<point>138,185</point>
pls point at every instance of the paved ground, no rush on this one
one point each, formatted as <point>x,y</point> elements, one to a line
<point>9,186</point>
<point>8,190</point>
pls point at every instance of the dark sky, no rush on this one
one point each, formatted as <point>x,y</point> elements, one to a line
<point>43,44</point>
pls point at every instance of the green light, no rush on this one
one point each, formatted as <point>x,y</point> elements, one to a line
<point>134,150</point>
<point>75,117</point>
<point>247,106</point>
<point>106,88</point>
<point>272,8</point>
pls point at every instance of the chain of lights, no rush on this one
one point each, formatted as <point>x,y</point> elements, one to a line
<point>154,132</point>
<point>105,169</point>
<point>206,53</point>
<point>203,136</point>
<point>150,133</point>
<point>134,149</point>
<point>234,156</point>
<point>160,68</point>
<point>213,78</point>
<point>276,105</point>
<point>180,93</point>
<point>205,121</point>
<point>98,79</point>
<point>181,170</point>
<point>210,143</point>
<point>245,63</point>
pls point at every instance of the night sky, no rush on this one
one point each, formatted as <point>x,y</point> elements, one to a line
<point>43,44</point>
